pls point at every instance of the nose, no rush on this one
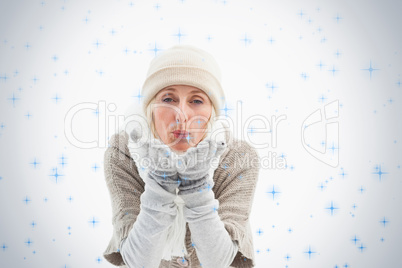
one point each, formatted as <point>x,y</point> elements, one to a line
<point>184,114</point>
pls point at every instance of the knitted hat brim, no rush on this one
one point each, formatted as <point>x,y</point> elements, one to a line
<point>184,75</point>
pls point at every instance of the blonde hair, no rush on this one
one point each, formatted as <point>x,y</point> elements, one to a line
<point>150,119</point>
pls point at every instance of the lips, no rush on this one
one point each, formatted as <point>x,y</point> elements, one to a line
<point>180,134</point>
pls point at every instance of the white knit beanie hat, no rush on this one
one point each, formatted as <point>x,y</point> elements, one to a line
<point>184,65</point>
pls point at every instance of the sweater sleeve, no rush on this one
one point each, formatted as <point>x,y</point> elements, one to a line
<point>238,175</point>
<point>125,188</point>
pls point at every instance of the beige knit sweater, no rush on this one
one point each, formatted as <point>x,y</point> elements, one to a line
<point>235,181</point>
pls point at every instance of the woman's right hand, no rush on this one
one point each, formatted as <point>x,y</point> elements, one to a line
<point>158,159</point>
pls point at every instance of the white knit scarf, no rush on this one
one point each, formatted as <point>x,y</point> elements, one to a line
<point>175,242</point>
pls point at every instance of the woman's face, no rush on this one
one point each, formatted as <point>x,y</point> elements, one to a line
<point>181,114</point>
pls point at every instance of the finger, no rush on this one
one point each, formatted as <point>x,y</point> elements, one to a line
<point>153,152</point>
<point>221,146</point>
<point>140,147</point>
<point>163,150</point>
<point>141,152</point>
<point>217,148</point>
<point>181,165</point>
<point>202,150</point>
<point>190,152</point>
<point>212,149</point>
<point>166,154</point>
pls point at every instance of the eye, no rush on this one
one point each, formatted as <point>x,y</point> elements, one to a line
<point>164,100</point>
<point>199,102</point>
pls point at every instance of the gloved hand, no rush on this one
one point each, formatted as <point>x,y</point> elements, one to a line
<point>158,158</point>
<point>194,166</point>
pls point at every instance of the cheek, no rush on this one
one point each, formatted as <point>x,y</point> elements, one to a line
<point>162,117</point>
<point>203,115</point>
<point>200,120</point>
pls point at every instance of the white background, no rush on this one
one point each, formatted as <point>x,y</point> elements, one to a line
<point>99,51</point>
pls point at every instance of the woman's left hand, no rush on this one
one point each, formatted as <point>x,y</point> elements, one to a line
<point>194,166</point>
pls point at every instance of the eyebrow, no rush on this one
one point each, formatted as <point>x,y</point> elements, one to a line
<point>193,91</point>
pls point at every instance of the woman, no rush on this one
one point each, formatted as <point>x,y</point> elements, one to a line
<point>183,194</point>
